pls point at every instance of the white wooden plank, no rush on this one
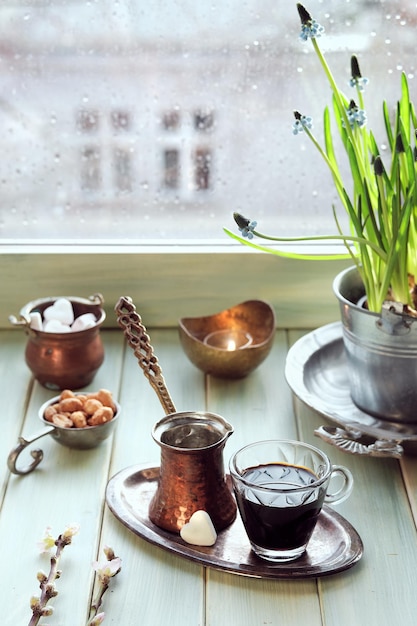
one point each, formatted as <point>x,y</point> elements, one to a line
<point>67,487</point>
<point>15,379</point>
<point>162,588</point>
<point>378,508</point>
<point>154,586</point>
<point>259,407</point>
<point>256,602</point>
<point>409,470</point>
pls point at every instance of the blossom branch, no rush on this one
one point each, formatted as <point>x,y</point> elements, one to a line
<point>105,571</point>
<point>38,604</point>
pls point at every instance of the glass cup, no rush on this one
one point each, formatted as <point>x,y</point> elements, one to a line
<point>280,488</point>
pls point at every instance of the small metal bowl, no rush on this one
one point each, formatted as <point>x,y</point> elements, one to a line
<point>232,343</point>
<point>78,438</point>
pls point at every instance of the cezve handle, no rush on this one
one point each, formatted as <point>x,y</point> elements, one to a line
<point>135,332</point>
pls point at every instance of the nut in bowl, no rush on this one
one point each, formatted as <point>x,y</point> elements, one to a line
<point>75,420</point>
<point>232,343</point>
<point>81,421</point>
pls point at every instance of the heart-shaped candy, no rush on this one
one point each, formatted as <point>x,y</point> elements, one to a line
<point>36,320</point>
<point>200,530</point>
<point>60,310</point>
<point>55,326</point>
<point>87,320</point>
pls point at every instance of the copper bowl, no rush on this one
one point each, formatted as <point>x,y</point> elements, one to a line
<point>232,343</point>
<point>64,360</point>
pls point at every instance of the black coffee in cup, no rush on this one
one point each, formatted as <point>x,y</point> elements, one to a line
<point>280,487</point>
<point>284,520</point>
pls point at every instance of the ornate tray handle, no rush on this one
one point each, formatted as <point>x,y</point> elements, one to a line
<point>342,439</point>
<point>138,339</point>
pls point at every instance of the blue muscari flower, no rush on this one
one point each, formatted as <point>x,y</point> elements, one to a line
<point>310,28</point>
<point>247,231</point>
<point>357,79</point>
<point>356,116</point>
<point>359,82</point>
<point>245,226</point>
<point>301,122</point>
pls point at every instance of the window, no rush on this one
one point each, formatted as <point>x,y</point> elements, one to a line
<point>172,168</point>
<point>187,165</point>
<point>90,169</point>
<point>122,170</point>
<point>157,125</point>
<point>171,120</point>
<point>88,121</point>
<point>202,168</point>
<point>203,121</point>
<point>120,121</point>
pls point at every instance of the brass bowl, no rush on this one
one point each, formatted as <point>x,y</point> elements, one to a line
<point>232,343</point>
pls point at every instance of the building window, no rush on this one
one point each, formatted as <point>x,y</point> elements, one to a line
<point>171,168</point>
<point>88,121</point>
<point>202,168</point>
<point>120,121</point>
<point>186,164</point>
<point>203,121</point>
<point>171,120</point>
<point>122,170</point>
<point>90,168</point>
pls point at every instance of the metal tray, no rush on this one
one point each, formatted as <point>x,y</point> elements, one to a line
<point>334,546</point>
<point>316,371</point>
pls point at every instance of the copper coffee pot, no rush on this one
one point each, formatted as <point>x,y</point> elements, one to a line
<point>192,474</point>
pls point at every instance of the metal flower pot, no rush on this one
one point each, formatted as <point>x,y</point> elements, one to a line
<point>381,351</point>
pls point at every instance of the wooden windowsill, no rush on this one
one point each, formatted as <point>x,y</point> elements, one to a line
<point>167,285</point>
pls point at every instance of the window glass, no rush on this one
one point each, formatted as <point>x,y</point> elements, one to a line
<point>156,120</point>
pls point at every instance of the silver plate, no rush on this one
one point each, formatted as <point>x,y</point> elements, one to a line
<point>316,371</point>
<point>334,545</point>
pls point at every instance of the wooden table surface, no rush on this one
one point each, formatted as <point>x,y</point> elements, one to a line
<point>154,586</point>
